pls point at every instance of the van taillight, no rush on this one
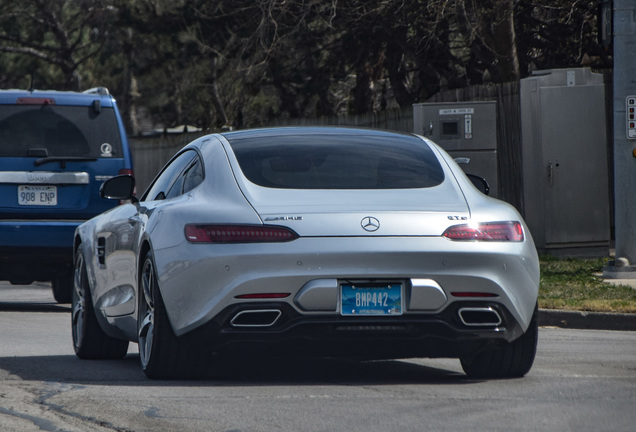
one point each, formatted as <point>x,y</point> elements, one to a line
<point>35,101</point>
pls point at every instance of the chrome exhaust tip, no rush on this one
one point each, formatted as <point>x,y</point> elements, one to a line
<point>256,318</point>
<point>479,316</point>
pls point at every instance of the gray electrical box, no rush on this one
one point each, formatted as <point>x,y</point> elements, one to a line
<point>467,131</point>
<point>565,172</point>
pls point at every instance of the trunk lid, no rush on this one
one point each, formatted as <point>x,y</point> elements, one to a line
<point>413,212</point>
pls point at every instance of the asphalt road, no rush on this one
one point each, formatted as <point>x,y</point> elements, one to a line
<point>582,380</point>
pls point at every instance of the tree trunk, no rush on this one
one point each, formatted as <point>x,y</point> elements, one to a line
<point>394,65</point>
<point>504,41</point>
<point>362,99</point>
<point>221,116</point>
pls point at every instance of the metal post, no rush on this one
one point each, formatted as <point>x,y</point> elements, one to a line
<point>624,266</point>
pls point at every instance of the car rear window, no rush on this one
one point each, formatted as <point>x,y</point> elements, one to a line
<point>332,161</point>
<point>58,131</point>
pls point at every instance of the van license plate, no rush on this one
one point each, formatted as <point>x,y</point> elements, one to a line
<point>37,195</point>
<point>368,300</point>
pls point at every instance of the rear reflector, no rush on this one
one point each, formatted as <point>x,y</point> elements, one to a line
<point>492,231</point>
<point>263,296</point>
<point>238,234</point>
<point>473,294</point>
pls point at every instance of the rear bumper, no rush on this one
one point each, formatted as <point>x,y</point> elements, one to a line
<point>197,283</point>
<point>37,234</point>
<point>36,250</point>
<point>293,334</point>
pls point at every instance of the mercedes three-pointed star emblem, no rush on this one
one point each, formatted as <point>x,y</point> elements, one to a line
<point>370,224</point>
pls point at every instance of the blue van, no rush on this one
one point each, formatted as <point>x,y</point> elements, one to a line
<point>56,150</point>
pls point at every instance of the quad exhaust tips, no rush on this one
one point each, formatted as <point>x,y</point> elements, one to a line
<point>479,316</point>
<point>256,318</point>
<point>469,316</point>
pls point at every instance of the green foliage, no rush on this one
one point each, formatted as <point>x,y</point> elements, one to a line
<point>577,284</point>
<point>214,63</point>
<point>56,36</point>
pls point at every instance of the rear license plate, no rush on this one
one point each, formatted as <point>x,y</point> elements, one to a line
<point>37,195</point>
<point>373,300</point>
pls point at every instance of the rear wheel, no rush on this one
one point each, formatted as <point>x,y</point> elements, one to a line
<point>62,289</point>
<point>511,361</point>
<point>89,340</point>
<point>161,352</point>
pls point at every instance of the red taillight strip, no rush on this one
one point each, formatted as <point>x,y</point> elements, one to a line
<point>491,231</point>
<point>473,294</point>
<point>238,234</point>
<point>263,296</point>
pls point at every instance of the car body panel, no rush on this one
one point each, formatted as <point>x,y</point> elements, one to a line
<point>214,282</point>
<point>200,283</point>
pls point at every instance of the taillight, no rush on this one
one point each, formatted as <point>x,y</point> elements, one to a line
<point>491,231</point>
<point>35,101</point>
<point>238,234</point>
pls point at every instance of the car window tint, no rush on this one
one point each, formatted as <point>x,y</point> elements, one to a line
<point>189,178</point>
<point>317,161</point>
<point>193,175</point>
<point>58,131</point>
<point>170,182</point>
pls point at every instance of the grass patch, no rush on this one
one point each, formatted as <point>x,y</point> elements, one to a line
<point>576,284</point>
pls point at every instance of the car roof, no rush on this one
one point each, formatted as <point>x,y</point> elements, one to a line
<point>308,130</point>
<point>10,97</point>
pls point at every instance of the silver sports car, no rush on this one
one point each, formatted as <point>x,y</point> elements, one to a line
<point>331,242</point>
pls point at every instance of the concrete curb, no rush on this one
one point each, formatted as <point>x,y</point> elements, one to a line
<point>587,320</point>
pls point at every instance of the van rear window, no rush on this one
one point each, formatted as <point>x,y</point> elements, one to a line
<point>58,131</point>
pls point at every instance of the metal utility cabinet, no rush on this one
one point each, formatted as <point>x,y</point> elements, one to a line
<point>565,172</point>
<point>467,131</point>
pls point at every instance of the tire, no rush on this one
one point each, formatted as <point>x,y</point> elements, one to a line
<point>89,340</point>
<point>62,289</point>
<point>511,361</point>
<point>162,354</point>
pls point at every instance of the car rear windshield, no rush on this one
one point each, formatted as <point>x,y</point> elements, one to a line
<point>338,162</point>
<point>58,131</point>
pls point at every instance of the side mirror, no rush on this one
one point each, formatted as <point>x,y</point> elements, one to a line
<point>120,188</point>
<point>480,183</point>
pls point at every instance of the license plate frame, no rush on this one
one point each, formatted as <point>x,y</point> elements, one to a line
<point>372,299</point>
<point>37,195</point>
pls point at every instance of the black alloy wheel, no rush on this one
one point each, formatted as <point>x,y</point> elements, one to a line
<point>162,354</point>
<point>89,340</point>
<point>514,360</point>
